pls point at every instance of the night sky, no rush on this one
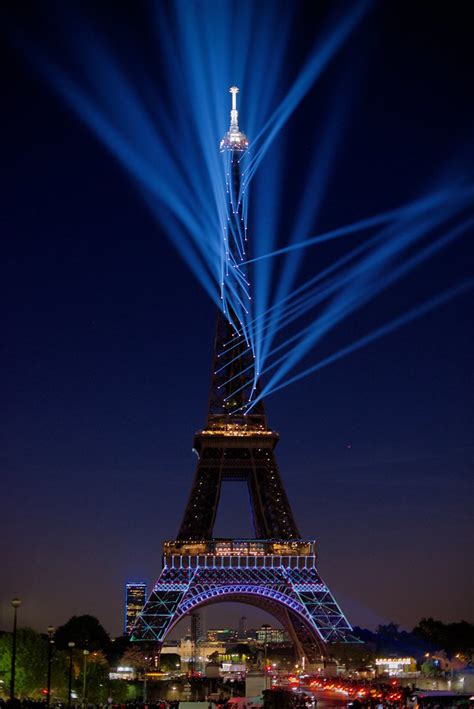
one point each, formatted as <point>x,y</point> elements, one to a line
<point>107,337</point>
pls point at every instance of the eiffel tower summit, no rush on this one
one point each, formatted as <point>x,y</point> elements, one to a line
<point>275,571</point>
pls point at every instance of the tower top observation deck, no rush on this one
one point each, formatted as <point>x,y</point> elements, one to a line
<point>234,139</point>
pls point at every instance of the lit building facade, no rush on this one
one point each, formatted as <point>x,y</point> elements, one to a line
<point>135,599</point>
<point>395,666</point>
<point>189,654</point>
<point>267,634</point>
<point>222,635</point>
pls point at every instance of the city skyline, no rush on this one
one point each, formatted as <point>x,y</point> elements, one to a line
<point>107,363</point>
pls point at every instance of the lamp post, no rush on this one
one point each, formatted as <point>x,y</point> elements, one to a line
<point>50,654</point>
<point>144,688</point>
<point>71,646</point>
<point>266,628</point>
<point>84,679</point>
<point>15,603</point>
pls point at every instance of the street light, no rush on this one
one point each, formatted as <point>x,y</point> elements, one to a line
<point>266,627</point>
<point>144,679</point>
<point>70,645</point>
<point>50,654</point>
<point>84,680</point>
<point>15,603</point>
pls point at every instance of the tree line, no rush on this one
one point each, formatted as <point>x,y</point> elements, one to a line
<point>86,632</point>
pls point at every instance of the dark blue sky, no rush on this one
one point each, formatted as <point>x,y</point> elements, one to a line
<point>107,338</point>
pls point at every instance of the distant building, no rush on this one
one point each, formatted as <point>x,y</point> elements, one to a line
<point>125,673</point>
<point>189,654</point>
<point>170,647</point>
<point>267,634</point>
<point>242,631</point>
<point>135,599</point>
<point>395,666</point>
<point>221,634</point>
<point>197,635</point>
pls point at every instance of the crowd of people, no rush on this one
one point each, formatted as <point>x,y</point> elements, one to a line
<point>41,704</point>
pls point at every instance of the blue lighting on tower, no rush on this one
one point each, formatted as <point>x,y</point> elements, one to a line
<point>301,591</point>
<point>163,124</point>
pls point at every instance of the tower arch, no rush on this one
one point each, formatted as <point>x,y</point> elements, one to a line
<point>301,630</point>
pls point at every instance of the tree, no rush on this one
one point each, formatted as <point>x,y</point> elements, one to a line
<point>353,655</point>
<point>389,630</point>
<point>59,674</point>
<point>170,662</point>
<point>242,650</point>
<point>137,658</point>
<point>121,691</point>
<point>85,631</point>
<point>429,669</point>
<point>31,662</point>
<point>97,675</point>
<point>367,636</point>
<point>116,649</point>
<point>452,637</point>
<point>431,630</point>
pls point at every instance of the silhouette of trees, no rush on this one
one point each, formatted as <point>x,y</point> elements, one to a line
<point>85,631</point>
<point>452,637</point>
<point>428,636</point>
<point>136,657</point>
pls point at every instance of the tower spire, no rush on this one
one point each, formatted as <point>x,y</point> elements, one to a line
<point>234,379</point>
<point>234,114</point>
<point>234,139</point>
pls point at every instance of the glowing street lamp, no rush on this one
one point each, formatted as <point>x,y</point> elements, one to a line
<point>15,604</point>
<point>84,680</point>
<point>266,627</point>
<point>50,653</point>
<point>71,646</point>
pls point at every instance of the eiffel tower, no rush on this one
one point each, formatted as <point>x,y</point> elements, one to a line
<point>276,571</point>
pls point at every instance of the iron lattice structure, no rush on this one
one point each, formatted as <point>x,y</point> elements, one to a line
<point>276,571</point>
<point>288,586</point>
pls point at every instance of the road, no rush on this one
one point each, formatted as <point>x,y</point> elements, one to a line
<point>327,700</point>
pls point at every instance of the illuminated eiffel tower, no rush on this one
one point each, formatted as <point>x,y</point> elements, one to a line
<point>276,571</point>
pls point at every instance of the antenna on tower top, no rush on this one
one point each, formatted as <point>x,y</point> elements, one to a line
<point>234,114</point>
<point>234,139</point>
